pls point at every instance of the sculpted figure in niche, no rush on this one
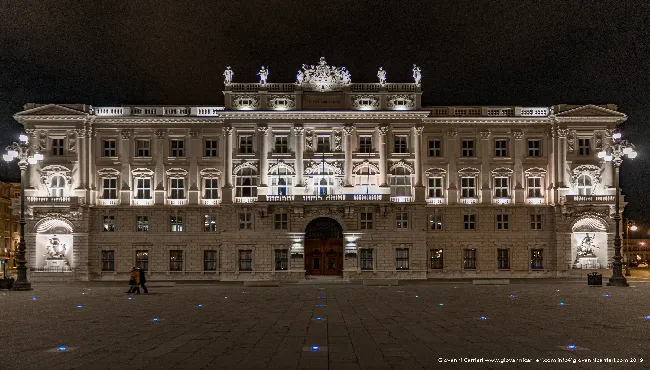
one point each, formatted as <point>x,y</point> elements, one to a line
<point>228,75</point>
<point>264,74</point>
<point>56,249</point>
<point>381,74</point>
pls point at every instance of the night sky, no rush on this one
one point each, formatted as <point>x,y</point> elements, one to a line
<point>521,53</point>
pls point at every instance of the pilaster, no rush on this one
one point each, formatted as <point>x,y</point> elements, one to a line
<point>299,132</point>
<point>518,171</point>
<point>417,148</point>
<point>194,151</point>
<point>383,160</point>
<point>227,190</point>
<point>347,131</point>
<point>264,160</point>
<point>486,175</point>
<point>452,176</point>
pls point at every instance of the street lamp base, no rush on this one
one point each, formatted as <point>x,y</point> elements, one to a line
<point>617,281</point>
<point>21,286</point>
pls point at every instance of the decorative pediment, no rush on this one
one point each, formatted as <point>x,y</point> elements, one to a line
<point>323,77</point>
<point>589,222</point>
<point>245,101</point>
<point>314,168</point>
<point>210,173</point>
<point>502,171</point>
<point>108,173</point>
<point>243,165</point>
<point>281,164</point>
<point>52,110</point>
<point>401,101</point>
<point>54,223</point>
<point>176,173</point>
<point>281,102</point>
<point>365,101</point>
<point>469,171</point>
<point>365,164</point>
<point>403,164</point>
<point>590,110</point>
<point>433,172</point>
<point>586,169</point>
<point>535,172</point>
<point>142,173</point>
<point>48,172</point>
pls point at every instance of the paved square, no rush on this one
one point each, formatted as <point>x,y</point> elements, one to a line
<point>411,326</point>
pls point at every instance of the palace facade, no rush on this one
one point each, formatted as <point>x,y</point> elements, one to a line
<point>319,177</point>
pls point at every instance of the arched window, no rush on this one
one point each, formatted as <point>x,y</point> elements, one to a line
<point>584,185</point>
<point>246,183</point>
<point>400,182</point>
<point>366,180</point>
<point>56,186</point>
<point>324,182</point>
<point>281,181</point>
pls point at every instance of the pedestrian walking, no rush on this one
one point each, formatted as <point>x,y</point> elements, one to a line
<point>134,281</point>
<point>143,280</point>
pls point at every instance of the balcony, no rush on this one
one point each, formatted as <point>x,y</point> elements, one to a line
<point>244,200</point>
<point>108,202</point>
<point>534,200</point>
<point>142,202</point>
<point>589,199</point>
<point>210,202</point>
<point>280,198</point>
<point>177,202</point>
<point>501,200</point>
<point>328,197</point>
<point>435,201</point>
<point>63,201</point>
<point>401,199</point>
<point>468,200</point>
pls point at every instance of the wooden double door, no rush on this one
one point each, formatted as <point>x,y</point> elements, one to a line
<point>324,256</point>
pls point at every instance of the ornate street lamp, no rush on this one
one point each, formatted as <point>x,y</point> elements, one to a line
<point>615,153</point>
<point>23,152</point>
<point>629,226</point>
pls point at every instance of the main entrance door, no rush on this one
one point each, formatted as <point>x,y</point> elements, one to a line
<point>324,247</point>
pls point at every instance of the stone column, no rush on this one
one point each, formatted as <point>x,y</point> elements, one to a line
<point>561,160</point>
<point>383,160</point>
<point>550,176</point>
<point>158,156</point>
<point>417,148</point>
<point>347,169</point>
<point>486,175</point>
<point>80,135</point>
<point>124,159</point>
<point>91,135</point>
<point>519,171</point>
<point>32,173</point>
<point>193,152</point>
<point>227,190</point>
<point>264,160</point>
<point>452,176</point>
<point>608,174</point>
<point>299,132</point>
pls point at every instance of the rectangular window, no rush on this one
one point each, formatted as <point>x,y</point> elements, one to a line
<point>176,260</point>
<point>400,144</point>
<point>143,148</point>
<point>365,261</point>
<point>211,148</point>
<point>469,222</point>
<point>435,148</point>
<point>502,222</point>
<point>176,223</point>
<point>366,220</point>
<point>503,259</point>
<point>534,148</point>
<point>467,148</point>
<point>210,188</point>
<point>402,220</point>
<point>246,144</point>
<point>142,260</point>
<point>435,187</point>
<point>501,187</point>
<point>108,260</point>
<point>437,261</point>
<point>109,223</point>
<point>323,144</point>
<point>143,189</point>
<point>500,148</point>
<point>178,148</point>
<point>365,144</point>
<point>468,187</point>
<point>281,259</point>
<point>281,144</point>
<point>210,223</point>
<point>534,187</point>
<point>110,189</point>
<point>57,146</point>
<point>245,221</point>
<point>210,260</point>
<point>536,259</point>
<point>469,259</point>
<point>177,189</point>
<point>435,222</point>
<point>246,260</point>
<point>109,148</point>
<point>584,146</point>
<point>142,223</point>
<point>402,258</point>
<point>281,221</point>
<point>536,222</point>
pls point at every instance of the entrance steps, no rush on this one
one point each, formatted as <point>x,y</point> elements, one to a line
<point>323,279</point>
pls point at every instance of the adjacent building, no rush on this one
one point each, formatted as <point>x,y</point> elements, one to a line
<point>9,226</point>
<point>321,176</point>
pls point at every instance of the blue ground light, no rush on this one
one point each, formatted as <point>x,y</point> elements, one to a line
<point>512,296</point>
<point>607,295</point>
<point>200,305</point>
<point>33,299</point>
<point>647,317</point>
<point>320,305</point>
<point>314,348</point>
<point>321,297</point>
<point>561,303</point>
<point>130,298</point>
<point>62,348</point>
<point>417,296</point>
<point>571,346</point>
<point>155,319</point>
<point>319,318</point>
<point>483,318</point>
<point>79,306</point>
<point>440,305</point>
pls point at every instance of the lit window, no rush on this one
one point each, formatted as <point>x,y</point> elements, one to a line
<point>176,222</point>
<point>142,259</point>
<point>57,185</point>
<point>175,260</point>
<point>437,261</point>
<point>210,223</point>
<point>469,259</point>
<point>584,185</point>
<point>142,223</point>
<point>435,222</point>
<point>281,181</point>
<point>402,258</point>
<point>109,223</point>
<point>536,259</point>
<point>400,182</point>
<point>366,179</point>
<point>324,182</point>
<point>281,259</point>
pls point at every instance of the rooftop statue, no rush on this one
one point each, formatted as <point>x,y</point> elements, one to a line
<point>227,76</point>
<point>417,74</point>
<point>381,74</point>
<point>323,77</point>
<point>264,75</point>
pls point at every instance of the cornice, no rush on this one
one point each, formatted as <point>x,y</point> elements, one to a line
<point>327,115</point>
<point>591,119</point>
<point>26,118</point>
<point>485,120</point>
<point>158,120</point>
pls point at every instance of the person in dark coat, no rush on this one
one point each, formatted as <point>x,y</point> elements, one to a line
<point>143,280</point>
<point>134,281</point>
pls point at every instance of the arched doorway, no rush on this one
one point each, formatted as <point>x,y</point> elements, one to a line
<point>324,247</point>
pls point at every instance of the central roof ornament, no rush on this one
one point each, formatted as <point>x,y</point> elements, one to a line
<point>323,77</point>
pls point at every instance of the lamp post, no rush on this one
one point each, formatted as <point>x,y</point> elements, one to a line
<point>615,153</point>
<point>629,225</point>
<point>23,152</point>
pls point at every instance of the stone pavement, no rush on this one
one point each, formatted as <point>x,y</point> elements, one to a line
<point>412,326</point>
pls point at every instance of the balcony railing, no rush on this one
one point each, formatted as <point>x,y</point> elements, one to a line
<point>280,198</point>
<point>210,202</point>
<point>435,200</point>
<point>325,198</point>
<point>315,198</point>
<point>108,202</point>
<point>501,200</point>
<point>177,202</point>
<point>143,202</point>
<point>54,200</point>
<point>245,199</point>
<point>367,197</point>
<point>401,199</point>
<point>590,199</point>
<point>468,200</point>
